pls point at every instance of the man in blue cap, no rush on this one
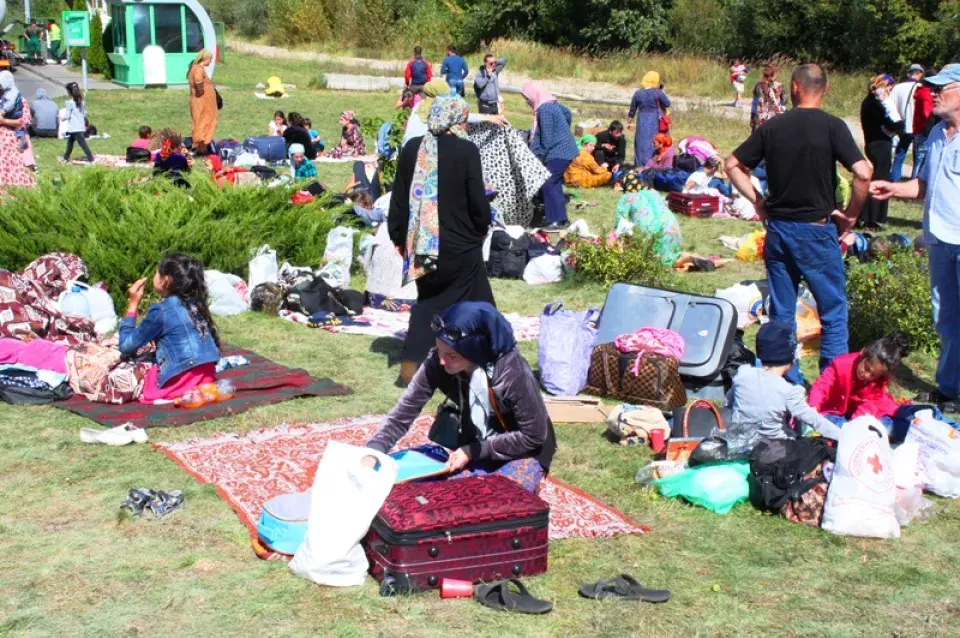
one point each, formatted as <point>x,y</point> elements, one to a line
<point>938,184</point>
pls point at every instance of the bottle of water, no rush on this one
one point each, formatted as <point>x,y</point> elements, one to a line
<point>75,304</point>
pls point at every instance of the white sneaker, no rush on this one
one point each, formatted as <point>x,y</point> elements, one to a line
<point>121,435</point>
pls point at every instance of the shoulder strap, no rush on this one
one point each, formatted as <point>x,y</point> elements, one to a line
<point>496,408</point>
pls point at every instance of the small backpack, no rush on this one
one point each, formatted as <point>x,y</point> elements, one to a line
<point>137,155</point>
<point>779,470</point>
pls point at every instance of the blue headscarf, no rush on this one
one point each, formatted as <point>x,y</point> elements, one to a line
<point>489,335</point>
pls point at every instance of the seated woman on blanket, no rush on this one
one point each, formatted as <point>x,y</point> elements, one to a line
<point>504,427</point>
<point>583,171</point>
<point>172,160</point>
<point>663,152</point>
<point>180,325</point>
<point>351,139</point>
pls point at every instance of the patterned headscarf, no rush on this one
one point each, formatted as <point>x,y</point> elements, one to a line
<point>884,80</point>
<point>423,228</point>
<point>350,117</point>
<point>631,183</point>
<point>166,148</point>
<point>664,140</point>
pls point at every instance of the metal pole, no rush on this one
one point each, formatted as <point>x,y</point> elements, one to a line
<point>83,67</point>
<point>26,10</point>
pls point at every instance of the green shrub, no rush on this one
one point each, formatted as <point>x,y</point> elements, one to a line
<point>890,295</point>
<point>96,54</point>
<point>293,22</point>
<point>632,259</point>
<point>121,229</point>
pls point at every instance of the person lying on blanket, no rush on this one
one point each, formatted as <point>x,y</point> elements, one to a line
<point>504,427</point>
<point>180,325</point>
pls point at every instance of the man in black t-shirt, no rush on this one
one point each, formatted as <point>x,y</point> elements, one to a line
<point>611,147</point>
<point>801,149</point>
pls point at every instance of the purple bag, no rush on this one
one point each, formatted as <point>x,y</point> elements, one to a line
<point>566,342</point>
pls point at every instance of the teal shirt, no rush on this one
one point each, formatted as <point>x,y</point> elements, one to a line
<point>306,170</point>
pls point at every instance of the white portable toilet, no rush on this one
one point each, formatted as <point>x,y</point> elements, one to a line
<point>154,66</point>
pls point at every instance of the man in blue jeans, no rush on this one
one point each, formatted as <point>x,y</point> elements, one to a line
<point>801,149</point>
<point>938,184</point>
<point>455,69</point>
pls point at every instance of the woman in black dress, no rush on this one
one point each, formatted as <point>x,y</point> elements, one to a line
<point>878,127</point>
<point>439,218</point>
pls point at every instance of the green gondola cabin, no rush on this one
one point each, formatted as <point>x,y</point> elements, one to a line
<point>154,41</point>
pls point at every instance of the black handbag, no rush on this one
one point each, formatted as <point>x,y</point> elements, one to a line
<point>447,426</point>
<point>219,100</point>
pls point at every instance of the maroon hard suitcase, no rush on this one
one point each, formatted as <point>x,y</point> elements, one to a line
<point>481,528</point>
<point>693,205</point>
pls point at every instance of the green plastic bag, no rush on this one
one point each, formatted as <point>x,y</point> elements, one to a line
<point>717,487</point>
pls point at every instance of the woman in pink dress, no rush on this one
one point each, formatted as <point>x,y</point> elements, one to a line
<point>13,157</point>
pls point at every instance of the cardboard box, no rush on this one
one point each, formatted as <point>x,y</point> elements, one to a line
<point>578,409</point>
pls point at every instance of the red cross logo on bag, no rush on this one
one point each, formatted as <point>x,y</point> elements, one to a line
<point>874,462</point>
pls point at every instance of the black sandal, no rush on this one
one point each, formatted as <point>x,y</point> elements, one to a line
<point>624,587</point>
<point>497,595</point>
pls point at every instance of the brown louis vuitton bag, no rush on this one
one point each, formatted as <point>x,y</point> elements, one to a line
<point>658,383</point>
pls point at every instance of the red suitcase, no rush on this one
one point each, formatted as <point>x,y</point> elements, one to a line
<point>476,529</point>
<point>693,205</point>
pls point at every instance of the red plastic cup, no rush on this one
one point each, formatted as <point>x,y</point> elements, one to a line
<point>656,440</point>
<point>453,588</point>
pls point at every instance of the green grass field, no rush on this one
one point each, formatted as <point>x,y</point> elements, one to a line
<point>73,566</point>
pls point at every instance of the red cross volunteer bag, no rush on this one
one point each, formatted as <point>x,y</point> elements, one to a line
<point>862,494</point>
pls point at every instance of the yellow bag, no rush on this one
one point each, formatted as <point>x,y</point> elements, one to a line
<point>751,248</point>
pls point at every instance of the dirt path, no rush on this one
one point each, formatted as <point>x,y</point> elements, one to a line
<point>511,81</point>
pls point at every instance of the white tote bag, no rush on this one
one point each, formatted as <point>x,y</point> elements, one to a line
<point>263,267</point>
<point>860,501</point>
<point>344,499</point>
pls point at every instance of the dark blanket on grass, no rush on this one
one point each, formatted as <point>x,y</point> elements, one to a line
<point>262,382</point>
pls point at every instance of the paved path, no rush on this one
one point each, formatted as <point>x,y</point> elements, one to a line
<point>62,75</point>
<point>28,83</point>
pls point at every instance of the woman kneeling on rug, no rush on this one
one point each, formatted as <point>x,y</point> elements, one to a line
<point>180,325</point>
<point>503,423</point>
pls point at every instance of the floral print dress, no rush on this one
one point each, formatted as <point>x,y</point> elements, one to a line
<point>351,143</point>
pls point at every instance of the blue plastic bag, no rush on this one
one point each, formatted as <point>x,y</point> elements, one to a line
<point>566,343</point>
<point>717,487</point>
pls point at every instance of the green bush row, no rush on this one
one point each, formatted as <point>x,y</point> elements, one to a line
<point>121,228</point>
<point>890,295</point>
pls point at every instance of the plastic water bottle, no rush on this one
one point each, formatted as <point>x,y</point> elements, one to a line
<point>75,304</point>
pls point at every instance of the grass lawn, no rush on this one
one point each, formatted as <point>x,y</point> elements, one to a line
<point>74,567</point>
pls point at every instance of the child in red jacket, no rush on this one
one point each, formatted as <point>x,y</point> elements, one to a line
<point>855,384</point>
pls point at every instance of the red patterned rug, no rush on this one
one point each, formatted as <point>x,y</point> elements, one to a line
<point>251,469</point>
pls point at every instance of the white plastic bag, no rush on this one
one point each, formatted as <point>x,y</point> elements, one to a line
<point>939,453</point>
<point>743,297</point>
<point>263,267</point>
<point>337,257</point>
<point>910,505</point>
<point>545,269</point>
<point>224,301</point>
<point>860,501</point>
<point>102,311</point>
<point>344,499</point>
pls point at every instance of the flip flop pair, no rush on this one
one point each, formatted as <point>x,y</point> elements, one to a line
<point>623,587</point>
<point>499,595</point>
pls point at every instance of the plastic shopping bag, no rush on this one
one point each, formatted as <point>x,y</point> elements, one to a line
<point>263,267</point>
<point>337,257</point>
<point>224,298</point>
<point>565,344</point>
<point>344,499</point>
<point>939,453</point>
<point>716,487</point>
<point>860,501</point>
<point>910,505</point>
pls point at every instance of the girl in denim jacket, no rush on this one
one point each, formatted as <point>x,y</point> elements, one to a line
<point>180,325</point>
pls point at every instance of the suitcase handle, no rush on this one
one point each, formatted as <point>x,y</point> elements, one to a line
<point>700,403</point>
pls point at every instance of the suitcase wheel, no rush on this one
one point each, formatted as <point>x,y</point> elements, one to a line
<point>516,569</point>
<point>388,587</point>
<point>432,581</point>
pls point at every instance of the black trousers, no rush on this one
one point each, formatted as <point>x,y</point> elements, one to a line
<point>879,153</point>
<point>79,139</point>
<point>488,108</point>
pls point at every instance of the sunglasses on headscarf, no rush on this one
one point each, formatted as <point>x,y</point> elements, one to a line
<point>439,328</point>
